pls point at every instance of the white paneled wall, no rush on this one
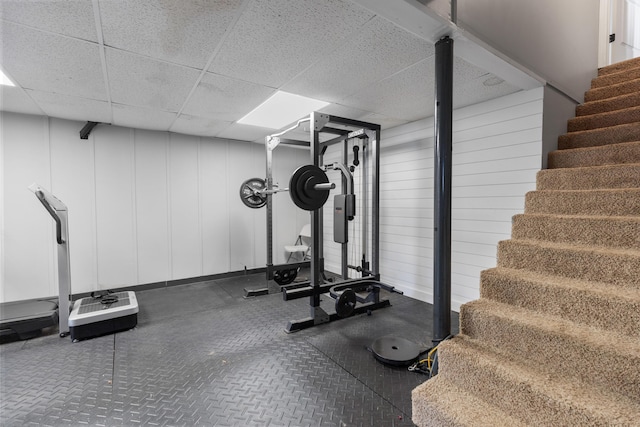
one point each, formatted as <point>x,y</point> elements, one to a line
<point>144,206</point>
<point>148,207</point>
<point>497,148</point>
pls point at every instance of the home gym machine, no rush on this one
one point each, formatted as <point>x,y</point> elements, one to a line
<point>309,189</point>
<point>100,314</point>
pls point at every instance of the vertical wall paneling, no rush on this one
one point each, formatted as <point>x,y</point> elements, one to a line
<point>114,180</point>
<point>152,218</point>
<point>149,206</point>
<point>186,247</point>
<point>241,218</point>
<point>72,181</point>
<point>214,193</point>
<point>256,162</point>
<point>497,151</point>
<point>28,238</point>
<point>285,217</point>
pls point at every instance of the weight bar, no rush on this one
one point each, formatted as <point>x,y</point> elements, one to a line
<point>253,192</point>
<point>309,189</point>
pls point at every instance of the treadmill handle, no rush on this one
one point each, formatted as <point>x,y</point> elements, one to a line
<point>52,212</point>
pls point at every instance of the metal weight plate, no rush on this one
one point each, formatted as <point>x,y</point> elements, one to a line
<point>302,191</point>
<point>284,277</point>
<point>252,193</point>
<point>346,303</point>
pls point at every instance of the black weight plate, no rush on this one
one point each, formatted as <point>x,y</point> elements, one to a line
<point>284,277</point>
<point>251,193</point>
<point>395,351</point>
<point>302,191</point>
<point>346,303</point>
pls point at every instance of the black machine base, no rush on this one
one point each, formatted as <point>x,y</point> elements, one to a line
<point>298,325</point>
<point>395,351</point>
<point>103,327</point>
<point>26,319</point>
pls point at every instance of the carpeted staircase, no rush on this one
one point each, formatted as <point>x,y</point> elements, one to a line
<point>554,339</point>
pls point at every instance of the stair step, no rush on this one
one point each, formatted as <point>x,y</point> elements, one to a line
<point>630,86</point>
<point>603,231</point>
<point>598,177</point>
<point>601,120</point>
<point>555,346</point>
<point>539,400</point>
<point>627,132</point>
<point>616,267</point>
<point>438,403</point>
<point>593,304</point>
<point>616,77</point>
<point>610,104</point>
<point>619,66</point>
<point>626,152</point>
<point>610,202</point>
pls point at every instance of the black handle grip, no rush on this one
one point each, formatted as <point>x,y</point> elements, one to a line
<point>356,162</point>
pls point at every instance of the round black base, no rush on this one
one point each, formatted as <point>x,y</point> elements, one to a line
<point>395,351</point>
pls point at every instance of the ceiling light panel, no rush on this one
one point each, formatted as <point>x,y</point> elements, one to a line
<point>281,109</point>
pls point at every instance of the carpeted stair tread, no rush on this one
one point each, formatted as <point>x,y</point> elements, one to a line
<point>502,381</point>
<point>599,231</point>
<point>617,267</point>
<point>627,132</point>
<point>554,346</point>
<point>619,67</point>
<point>614,202</point>
<point>590,303</point>
<point>436,402</point>
<point>610,104</point>
<point>611,91</point>
<point>616,77</point>
<point>597,177</point>
<point>627,152</point>
<point>607,119</point>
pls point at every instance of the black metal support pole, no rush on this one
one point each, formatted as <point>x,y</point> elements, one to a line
<point>442,194</point>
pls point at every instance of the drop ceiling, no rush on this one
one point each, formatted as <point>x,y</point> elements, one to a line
<point>196,67</point>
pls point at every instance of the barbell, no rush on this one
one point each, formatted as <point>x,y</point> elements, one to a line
<point>309,189</point>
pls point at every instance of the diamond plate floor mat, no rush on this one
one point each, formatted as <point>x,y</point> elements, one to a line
<point>203,355</point>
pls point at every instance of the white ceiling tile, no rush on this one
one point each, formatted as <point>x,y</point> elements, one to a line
<point>474,91</point>
<point>52,63</point>
<point>192,125</point>
<point>344,111</point>
<point>407,95</point>
<point>71,107</point>
<point>142,118</point>
<point>185,32</point>
<point>378,50</point>
<point>225,98</point>
<point>73,18</point>
<point>14,99</point>
<point>143,82</point>
<point>274,40</point>
<point>245,132</point>
<point>385,122</point>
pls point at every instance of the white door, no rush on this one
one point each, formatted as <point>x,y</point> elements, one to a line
<point>622,20</point>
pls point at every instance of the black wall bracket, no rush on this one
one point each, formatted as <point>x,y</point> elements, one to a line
<point>86,129</point>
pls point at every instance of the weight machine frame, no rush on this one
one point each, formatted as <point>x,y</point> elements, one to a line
<point>345,129</point>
